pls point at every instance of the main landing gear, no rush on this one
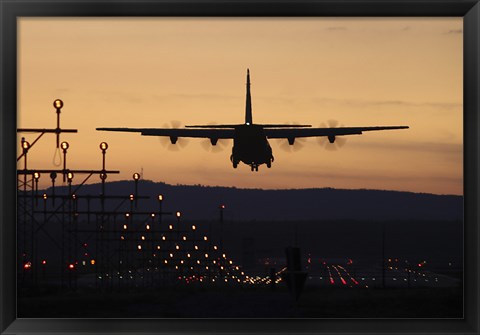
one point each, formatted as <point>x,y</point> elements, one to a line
<point>269,163</point>
<point>234,162</point>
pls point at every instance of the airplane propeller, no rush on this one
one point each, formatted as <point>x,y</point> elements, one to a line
<point>219,146</point>
<point>214,145</point>
<point>326,142</point>
<point>292,144</point>
<point>167,141</point>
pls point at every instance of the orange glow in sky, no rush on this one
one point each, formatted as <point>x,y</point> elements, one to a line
<point>148,72</point>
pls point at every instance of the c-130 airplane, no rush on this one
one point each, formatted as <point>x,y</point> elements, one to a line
<point>250,140</point>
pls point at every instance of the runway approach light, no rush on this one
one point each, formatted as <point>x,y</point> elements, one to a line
<point>25,145</point>
<point>103,146</point>
<point>64,145</point>
<point>136,176</point>
<point>58,104</point>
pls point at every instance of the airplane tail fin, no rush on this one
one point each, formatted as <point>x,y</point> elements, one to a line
<point>248,105</point>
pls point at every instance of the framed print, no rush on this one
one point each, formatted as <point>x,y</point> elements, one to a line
<point>252,167</point>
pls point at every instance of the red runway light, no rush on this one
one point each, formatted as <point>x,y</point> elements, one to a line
<point>71,266</point>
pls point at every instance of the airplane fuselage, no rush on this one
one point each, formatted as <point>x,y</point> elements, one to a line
<point>250,146</point>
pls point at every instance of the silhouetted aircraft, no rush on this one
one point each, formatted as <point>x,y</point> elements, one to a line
<point>250,140</point>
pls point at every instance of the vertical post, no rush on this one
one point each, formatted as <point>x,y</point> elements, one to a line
<point>103,177</point>
<point>64,146</point>
<point>36,177</point>
<point>69,235</point>
<point>53,175</point>
<point>58,104</point>
<point>136,177</point>
<point>25,146</point>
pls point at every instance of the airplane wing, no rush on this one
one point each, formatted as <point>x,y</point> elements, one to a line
<point>178,132</point>
<point>317,132</point>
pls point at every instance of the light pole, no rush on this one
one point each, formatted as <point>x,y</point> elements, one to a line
<point>69,242</point>
<point>25,147</point>
<point>160,208</point>
<point>136,177</point>
<point>53,176</point>
<point>36,177</point>
<point>64,146</point>
<point>58,104</point>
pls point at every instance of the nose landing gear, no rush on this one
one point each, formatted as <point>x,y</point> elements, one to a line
<point>254,167</point>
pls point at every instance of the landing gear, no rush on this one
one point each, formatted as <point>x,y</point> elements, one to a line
<point>254,167</point>
<point>234,162</point>
<point>269,163</point>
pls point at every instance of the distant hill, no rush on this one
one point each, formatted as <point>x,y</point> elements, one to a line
<point>198,202</point>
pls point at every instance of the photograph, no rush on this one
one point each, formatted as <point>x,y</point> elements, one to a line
<point>240,167</point>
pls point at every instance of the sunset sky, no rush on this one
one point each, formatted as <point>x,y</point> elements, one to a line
<point>146,72</point>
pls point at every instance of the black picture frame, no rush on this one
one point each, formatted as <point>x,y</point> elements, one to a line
<point>10,10</point>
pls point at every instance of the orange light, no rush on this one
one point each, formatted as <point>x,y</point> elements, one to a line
<point>104,146</point>
<point>64,145</point>
<point>25,145</point>
<point>136,176</point>
<point>27,265</point>
<point>178,214</point>
<point>58,104</point>
<point>160,197</point>
<point>92,262</point>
